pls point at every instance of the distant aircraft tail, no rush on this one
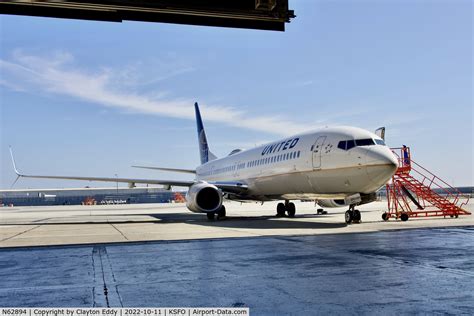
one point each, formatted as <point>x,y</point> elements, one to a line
<point>204,151</point>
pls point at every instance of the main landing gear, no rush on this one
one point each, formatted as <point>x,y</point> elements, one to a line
<point>288,208</point>
<point>352,215</point>
<point>220,214</point>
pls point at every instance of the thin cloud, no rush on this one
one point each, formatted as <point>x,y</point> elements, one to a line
<point>56,74</point>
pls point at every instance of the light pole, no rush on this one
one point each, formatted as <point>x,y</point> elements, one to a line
<point>116,176</point>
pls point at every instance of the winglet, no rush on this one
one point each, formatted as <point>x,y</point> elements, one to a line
<point>18,174</point>
<point>14,164</point>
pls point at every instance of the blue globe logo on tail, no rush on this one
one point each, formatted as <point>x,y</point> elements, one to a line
<point>203,147</point>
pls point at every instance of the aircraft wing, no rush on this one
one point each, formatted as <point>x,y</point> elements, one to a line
<point>105,179</point>
<point>131,181</point>
<point>228,187</point>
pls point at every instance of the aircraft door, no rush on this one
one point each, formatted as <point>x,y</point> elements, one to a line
<point>317,150</point>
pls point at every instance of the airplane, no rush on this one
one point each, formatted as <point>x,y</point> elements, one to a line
<point>335,166</point>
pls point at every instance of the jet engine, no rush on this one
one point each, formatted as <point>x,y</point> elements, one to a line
<point>357,199</point>
<point>203,197</point>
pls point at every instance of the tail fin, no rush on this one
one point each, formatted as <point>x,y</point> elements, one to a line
<point>204,151</point>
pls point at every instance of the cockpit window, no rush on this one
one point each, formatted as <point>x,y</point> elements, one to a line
<point>379,142</point>
<point>346,144</point>
<point>365,142</point>
<point>350,144</point>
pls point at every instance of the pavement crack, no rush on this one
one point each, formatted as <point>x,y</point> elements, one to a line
<point>109,264</point>
<point>119,231</point>
<point>99,278</point>
<point>105,292</point>
<point>21,233</point>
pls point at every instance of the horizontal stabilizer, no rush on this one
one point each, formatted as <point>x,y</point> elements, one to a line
<point>192,171</point>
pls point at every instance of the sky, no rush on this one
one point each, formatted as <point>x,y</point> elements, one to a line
<point>93,98</point>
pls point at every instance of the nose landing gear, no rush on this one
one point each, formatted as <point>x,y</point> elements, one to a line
<point>352,215</point>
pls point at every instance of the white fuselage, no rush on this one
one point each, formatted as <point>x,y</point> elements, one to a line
<point>308,165</point>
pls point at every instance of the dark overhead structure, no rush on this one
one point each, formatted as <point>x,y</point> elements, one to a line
<point>251,14</point>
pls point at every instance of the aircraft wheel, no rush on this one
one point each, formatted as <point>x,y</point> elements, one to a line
<point>221,212</point>
<point>356,216</point>
<point>210,215</point>
<point>280,210</point>
<point>385,216</point>
<point>348,217</point>
<point>404,217</point>
<point>291,209</point>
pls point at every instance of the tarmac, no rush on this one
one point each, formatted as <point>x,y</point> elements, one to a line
<point>69,225</point>
<point>164,256</point>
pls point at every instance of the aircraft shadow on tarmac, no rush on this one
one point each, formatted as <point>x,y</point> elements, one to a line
<point>252,222</point>
<point>256,222</point>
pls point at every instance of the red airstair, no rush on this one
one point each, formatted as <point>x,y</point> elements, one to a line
<point>416,192</point>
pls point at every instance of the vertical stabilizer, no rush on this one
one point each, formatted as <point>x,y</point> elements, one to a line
<point>204,151</point>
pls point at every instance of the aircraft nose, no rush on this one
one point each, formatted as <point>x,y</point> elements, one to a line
<point>381,156</point>
<point>381,165</point>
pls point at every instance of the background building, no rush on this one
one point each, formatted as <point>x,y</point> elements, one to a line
<point>92,196</point>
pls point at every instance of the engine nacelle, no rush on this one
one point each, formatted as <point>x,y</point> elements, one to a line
<point>357,199</point>
<point>203,197</point>
<point>331,203</point>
